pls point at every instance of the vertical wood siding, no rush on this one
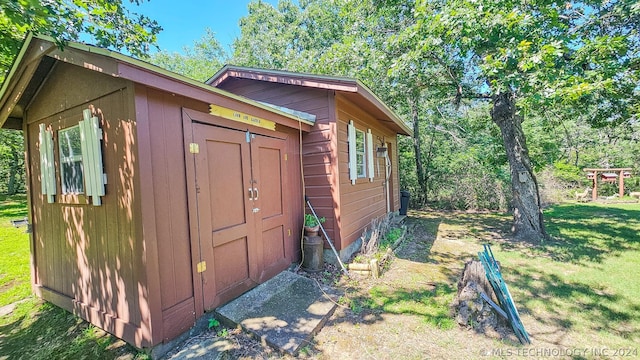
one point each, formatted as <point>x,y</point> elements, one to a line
<point>162,114</point>
<point>364,201</point>
<point>88,258</point>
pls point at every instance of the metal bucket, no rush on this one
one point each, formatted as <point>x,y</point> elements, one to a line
<point>313,249</point>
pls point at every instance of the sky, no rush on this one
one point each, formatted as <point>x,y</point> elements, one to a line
<point>184,21</point>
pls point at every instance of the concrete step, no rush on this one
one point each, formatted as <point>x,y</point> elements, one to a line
<point>284,312</point>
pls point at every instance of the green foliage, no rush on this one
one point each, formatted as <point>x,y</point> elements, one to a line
<point>311,221</point>
<point>433,305</point>
<point>390,238</point>
<point>108,23</point>
<point>551,56</point>
<point>213,323</point>
<point>198,62</point>
<point>567,172</point>
<point>15,280</point>
<point>224,332</point>
<point>12,169</point>
<point>40,331</point>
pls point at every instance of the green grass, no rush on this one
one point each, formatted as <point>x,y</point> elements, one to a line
<point>432,305</point>
<point>580,288</point>
<point>15,281</point>
<point>585,280</point>
<point>36,329</point>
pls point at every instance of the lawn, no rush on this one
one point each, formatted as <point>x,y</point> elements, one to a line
<point>14,244</point>
<point>584,283</point>
<point>578,290</point>
<point>577,294</point>
<point>37,330</point>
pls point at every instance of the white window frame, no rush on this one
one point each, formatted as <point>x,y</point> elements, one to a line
<point>361,154</point>
<point>70,160</point>
<point>360,147</point>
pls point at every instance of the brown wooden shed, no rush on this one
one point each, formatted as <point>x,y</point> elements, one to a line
<point>147,210</point>
<point>353,126</point>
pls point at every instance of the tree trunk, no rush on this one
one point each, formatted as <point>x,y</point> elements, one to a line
<point>417,148</point>
<point>527,212</point>
<point>13,173</point>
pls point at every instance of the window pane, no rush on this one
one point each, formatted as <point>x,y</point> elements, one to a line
<point>70,142</point>
<point>71,172</point>
<point>72,178</point>
<point>360,154</point>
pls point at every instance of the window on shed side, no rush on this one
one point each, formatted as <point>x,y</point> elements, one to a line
<point>71,170</point>
<point>361,165</point>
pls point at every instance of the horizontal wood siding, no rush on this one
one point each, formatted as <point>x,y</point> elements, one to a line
<point>318,146</point>
<point>88,259</point>
<point>364,201</point>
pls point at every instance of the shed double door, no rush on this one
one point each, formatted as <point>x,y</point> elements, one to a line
<point>241,204</point>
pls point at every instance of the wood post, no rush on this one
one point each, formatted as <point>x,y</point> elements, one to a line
<point>621,184</point>
<point>594,191</point>
<point>618,171</point>
<point>375,270</point>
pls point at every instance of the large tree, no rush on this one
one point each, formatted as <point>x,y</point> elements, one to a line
<point>197,62</point>
<point>107,23</point>
<point>522,59</point>
<point>526,56</point>
<point>11,162</point>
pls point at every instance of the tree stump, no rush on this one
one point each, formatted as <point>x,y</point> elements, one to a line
<point>470,309</point>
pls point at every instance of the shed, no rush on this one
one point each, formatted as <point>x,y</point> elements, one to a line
<point>147,210</point>
<point>350,156</point>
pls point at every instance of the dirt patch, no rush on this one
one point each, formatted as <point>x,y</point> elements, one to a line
<point>405,314</point>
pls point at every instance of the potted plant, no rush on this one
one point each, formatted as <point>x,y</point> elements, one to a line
<point>312,225</point>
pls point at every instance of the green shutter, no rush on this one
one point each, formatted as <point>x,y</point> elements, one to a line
<point>353,167</point>
<point>47,169</point>
<point>90,136</point>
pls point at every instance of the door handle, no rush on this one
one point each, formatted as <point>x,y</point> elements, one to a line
<point>256,190</point>
<point>250,193</point>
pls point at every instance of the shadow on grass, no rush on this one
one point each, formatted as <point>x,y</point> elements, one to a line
<point>568,304</point>
<point>587,233</point>
<point>582,234</point>
<point>431,304</point>
<point>421,235</point>
<point>429,300</point>
<point>13,207</point>
<point>68,337</point>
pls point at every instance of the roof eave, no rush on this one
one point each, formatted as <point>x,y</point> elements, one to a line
<point>373,98</point>
<point>138,64</point>
<point>4,115</point>
<point>347,85</point>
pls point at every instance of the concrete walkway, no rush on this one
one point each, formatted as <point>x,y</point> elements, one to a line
<point>284,312</point>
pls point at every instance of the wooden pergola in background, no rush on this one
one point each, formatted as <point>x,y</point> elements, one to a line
<point>608,175</point>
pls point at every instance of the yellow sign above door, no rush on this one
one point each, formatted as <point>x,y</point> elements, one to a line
<point>231,114</point>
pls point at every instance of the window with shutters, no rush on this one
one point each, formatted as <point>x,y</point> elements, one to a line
<point>360,146</point>
<point>71,169</point>
<point>360,154</point>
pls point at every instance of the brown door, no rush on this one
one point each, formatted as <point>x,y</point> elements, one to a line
<point>241,206</point>
<point>270,199</point>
